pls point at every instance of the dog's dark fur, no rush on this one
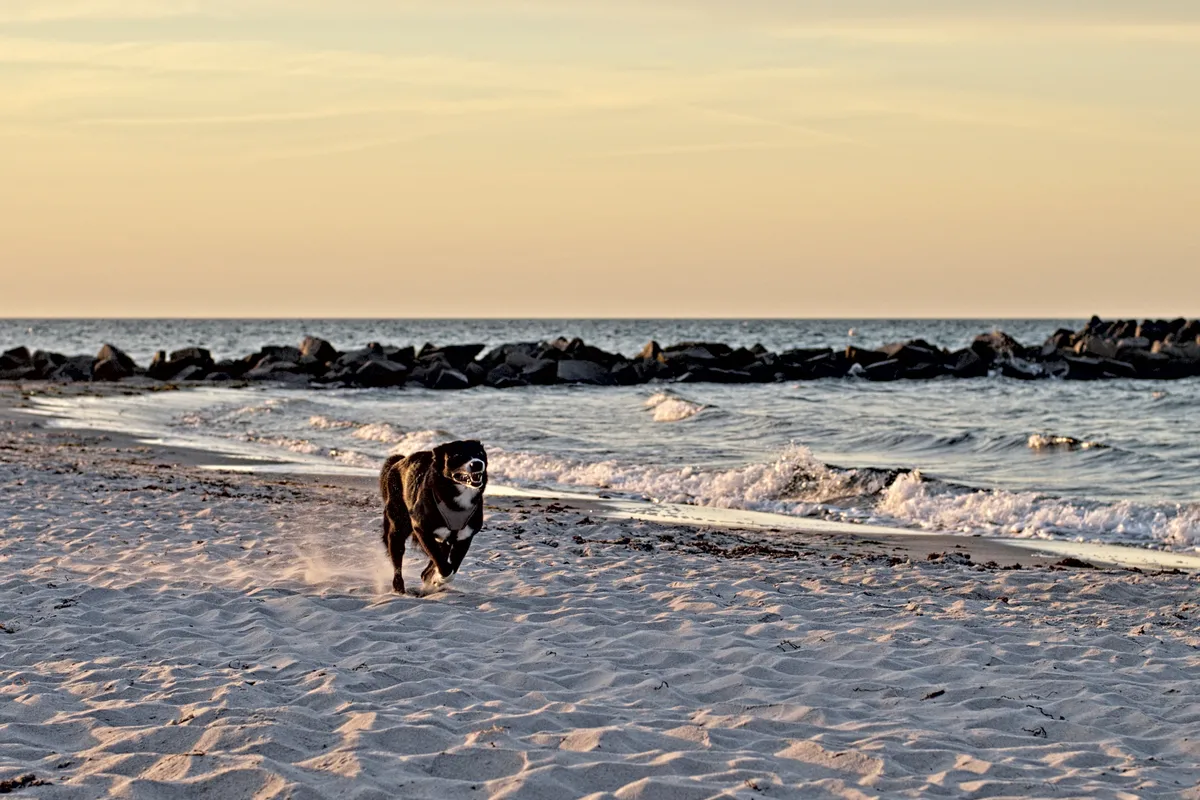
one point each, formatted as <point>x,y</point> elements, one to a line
<point>413,486</point>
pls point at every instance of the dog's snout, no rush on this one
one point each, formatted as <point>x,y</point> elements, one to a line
<point>475,465</point>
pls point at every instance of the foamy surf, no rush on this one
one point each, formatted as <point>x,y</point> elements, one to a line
<point>669,407</point>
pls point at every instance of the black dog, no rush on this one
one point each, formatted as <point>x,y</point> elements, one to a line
<point>437,496</point>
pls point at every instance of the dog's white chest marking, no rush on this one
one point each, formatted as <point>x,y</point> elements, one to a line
<point>466,497</point>
<point>465,534</point>
<point>441,534</point>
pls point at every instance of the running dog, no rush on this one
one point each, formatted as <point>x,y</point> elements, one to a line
<point>437,496</point>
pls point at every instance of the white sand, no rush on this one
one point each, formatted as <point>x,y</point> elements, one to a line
<point>173,633</point>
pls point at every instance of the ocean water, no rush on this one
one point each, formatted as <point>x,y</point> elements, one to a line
<point>1111,461</point>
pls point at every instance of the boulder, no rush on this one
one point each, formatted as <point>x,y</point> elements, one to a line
<point>16,358</point>
<point>697,350</point>
<point>109,369</point>
<point>589,372</point>
<point>218,377</point>
<point>1153,329</point>
<point>702,374</point>
<point>380,373</point>
<point>112,364</point>
<point>456,355</point>
<point>651,352</point>
<point>864,358</point>
<point>448,378</point>
<point>542,372</point>
<point>192,372</point>
<point>887,370</point>
<point>73,369</point>
<point>517,355</point>
<point>1062,339</point>
<point>1091,345</point>
<point>233,367</point>
<point>1020,369</point>
<point>1189,332</point>
<point>966,363</point>
<point>912,354</point>
<point>318,349</point>
<point>269,370</point>
<point>996,346</point>
<point>198,355</point>
<point>803,355</point>
<point>45,362</point>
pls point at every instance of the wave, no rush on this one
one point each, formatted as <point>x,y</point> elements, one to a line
<point>669,407</point>
<point>1046,441</point>
<point>931,505</point>
<point>798,484</point>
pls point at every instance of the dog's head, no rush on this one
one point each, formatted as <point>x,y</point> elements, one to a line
<point>463,462</point>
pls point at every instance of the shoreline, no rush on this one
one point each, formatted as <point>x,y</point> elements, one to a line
<point>911,543</point>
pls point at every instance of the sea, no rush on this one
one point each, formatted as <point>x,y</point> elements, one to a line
<point>1114,462</point>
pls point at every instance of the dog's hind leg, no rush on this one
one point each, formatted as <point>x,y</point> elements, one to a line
<point>396,530</point>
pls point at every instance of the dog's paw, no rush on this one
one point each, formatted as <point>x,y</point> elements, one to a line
<point>397,584</point>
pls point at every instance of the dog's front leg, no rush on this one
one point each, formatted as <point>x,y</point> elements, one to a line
<point>438,571</point>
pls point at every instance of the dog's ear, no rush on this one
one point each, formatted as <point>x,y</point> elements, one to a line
<point>439,459</point>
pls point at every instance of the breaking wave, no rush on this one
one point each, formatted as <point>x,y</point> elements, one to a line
<point>670,407</point>
<point>1046,441</point>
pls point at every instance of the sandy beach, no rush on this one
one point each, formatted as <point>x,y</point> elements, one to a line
<point>168,631</point>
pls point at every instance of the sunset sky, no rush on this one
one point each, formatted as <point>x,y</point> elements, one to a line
<point>569,158</point>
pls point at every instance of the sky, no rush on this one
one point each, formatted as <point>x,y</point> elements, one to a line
<point>562,158</point>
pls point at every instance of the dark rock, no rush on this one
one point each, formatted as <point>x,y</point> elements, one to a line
<point>503,375</point>
<point>475,373</point>
<point>759,350</point>
<point>109,369</point>
<point>865,358</point>
<point>1132,343</point>
<point>199,355</point>
<point>629,373</point>
<point>651,352</point>
<point>913,354</point>
<point>966,363</point>
<point>1083,368</point>
<point>318,349</point>
<point>1147,364</point>
<point>404,356</point>
<point>1153,329</point>
<point>218,377</point>
<point>448,378</point>
<point>109,352</point>
<point>887,370</point>
<point>73,369</point>
<point>1189,332</point>
<point>45,362</point>
<point>192,372</point>
<point>171,368</point>
<point>1092,345</point>
<point>542,372</point>
<point>1062,339</point>
<point>456,355</point>
<point>701,351</point>
<point>1021,370</point>
<point>924,371</point>
<point>380,373</point>
<point>269,370</point>
<point>827,365</point>
<point>702,374</point>
<point>16,358</point>
<point>739,359</point>
<point>589,372</point>
<point>354,359</point>
<point>996,346</point>
<point>518,355</point>
<point>800,357</point>
<point>233,367</point>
